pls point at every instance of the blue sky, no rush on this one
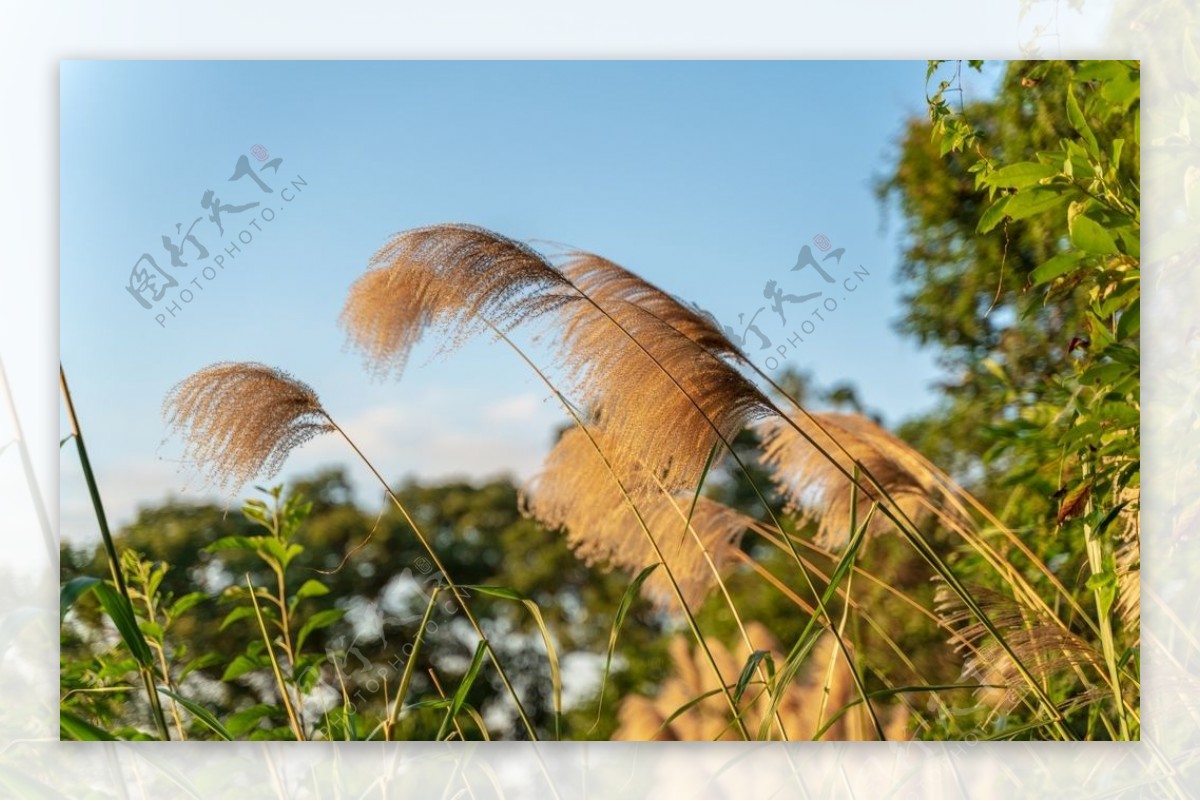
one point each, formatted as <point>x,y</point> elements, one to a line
<point>707,178</point>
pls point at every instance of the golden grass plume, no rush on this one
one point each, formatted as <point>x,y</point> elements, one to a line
<point>815,488</point>
<point>1041,643</point>
<point>825,686</point>
<point>240,420</point>
<point>643,366</point>
<point>615,289</point>
<point>576,491</point>
<point>649,371</point>
<point>455,278</point>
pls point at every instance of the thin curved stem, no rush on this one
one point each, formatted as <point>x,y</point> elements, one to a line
<point>689,617</point>
<point>114,563</point>
<point>455,590</point>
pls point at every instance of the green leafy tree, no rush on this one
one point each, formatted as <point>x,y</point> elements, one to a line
<point>1022,268</point>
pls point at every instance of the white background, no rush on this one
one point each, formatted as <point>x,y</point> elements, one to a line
<point>34,36</point>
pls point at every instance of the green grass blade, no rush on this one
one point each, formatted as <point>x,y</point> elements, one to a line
<point>551,652</point>
<point>70,592</point>
<point>199,713</point>
<point>808,637</point>
<point>627,599</point>
<point>120,611</point>
<point>878,695</point>
<point>406,677</point>
<point>698,700</point>
<point>748,672</point>
<point>464,687</point>
<point>73,727</point>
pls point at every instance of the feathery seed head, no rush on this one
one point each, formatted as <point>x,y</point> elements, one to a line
<point>644,367</point>
<point>651,372</point>
<point>240,420</point>
<point>456,278</point>
<point>815,487</point>
<point>578,492</point>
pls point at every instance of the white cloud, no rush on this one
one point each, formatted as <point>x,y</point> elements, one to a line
<point>440,436</point>
<point>515,409</point>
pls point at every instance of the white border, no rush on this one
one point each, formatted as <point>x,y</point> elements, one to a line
<point>37,36</point>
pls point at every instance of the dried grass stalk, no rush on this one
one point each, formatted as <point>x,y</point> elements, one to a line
<point>458,279</point>
<point>815,488</point>
<point>240,420</point>
<point>1129,563</point>
<point>576,491</point>
<point>1040,642</point>
<point>647,369</point>
<point>825,687</point>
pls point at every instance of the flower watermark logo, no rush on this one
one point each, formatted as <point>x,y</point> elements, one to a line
<point>833,285</point>
<point>191,253</point>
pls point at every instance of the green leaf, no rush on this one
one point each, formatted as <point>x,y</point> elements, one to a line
<point>748,673</point>
<point>258,512</point>
<point>1020,175</point>
<point>1105,374</point>
<point>151,630</point>
<point>71,592</point>
<point>311,589</point>
<point>1118,415</point>
<point>1057,266</point>
<point>306,674</point>
<point>1079,123</point>
<point>689,705</point>
<point>322,619</point>
<point>429,703</point>
<point>240,666</point>
<point>551,651</point>
<point>239,723</point>
<point>809,636</point>
<point>234,543</point>
<point>1035,200</point>
<point>1131,239</point>
<point>506,593</point>
<point>73,727</point>
<point>185,603</point>
<point>119,610</point>
<point>1089,235</point>
<point>993,215</point>
<point>282,552</point>
<point>199,713</point>
<point>1106,521</point>
<point>203,661</point>
<point>240,613</point>
<point>464,687</point>
<point>1105,586</point>
<point>1130,357</point>
<point>1131,321</point>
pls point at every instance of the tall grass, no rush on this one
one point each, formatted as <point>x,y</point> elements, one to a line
<point>657,395</point>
